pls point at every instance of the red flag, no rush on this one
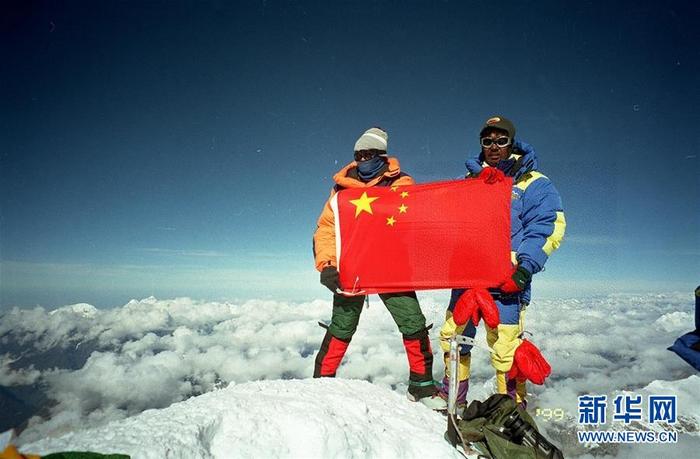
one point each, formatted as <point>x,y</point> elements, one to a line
<point>418,237</point>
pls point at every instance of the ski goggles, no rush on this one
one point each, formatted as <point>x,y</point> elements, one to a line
<point>501,142</point>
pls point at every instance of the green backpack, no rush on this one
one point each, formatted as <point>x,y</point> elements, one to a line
<point>498,428</point>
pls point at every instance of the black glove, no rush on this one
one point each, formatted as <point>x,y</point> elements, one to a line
<point>522,277</point>
<point>330,279</point>
<point>517,281</point>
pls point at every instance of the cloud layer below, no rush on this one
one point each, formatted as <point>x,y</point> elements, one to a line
<point>97,366</point>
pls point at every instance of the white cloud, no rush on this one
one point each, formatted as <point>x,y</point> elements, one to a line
<point>10,377</point>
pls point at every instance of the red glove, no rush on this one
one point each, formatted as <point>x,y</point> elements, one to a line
<point>491,175</point>
<point>517,281</point>
<point>528,363</point>
<point>474,304</point>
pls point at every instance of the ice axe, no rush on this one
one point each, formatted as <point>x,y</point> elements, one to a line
<point>453,435</point>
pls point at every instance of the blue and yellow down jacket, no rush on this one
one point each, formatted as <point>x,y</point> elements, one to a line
<point>537,220</point>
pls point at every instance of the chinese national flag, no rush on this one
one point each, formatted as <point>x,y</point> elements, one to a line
<point>432,236</point>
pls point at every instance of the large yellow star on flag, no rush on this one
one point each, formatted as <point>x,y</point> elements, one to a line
<point>364,203</point>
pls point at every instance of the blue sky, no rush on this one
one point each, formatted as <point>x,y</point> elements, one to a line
<point>186,148</point>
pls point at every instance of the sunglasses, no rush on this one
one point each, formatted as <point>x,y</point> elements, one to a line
<point>502,142</point>
<point>365,155</point>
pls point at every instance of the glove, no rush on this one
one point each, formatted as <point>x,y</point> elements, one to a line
<point>491,175</point>
<point>474,304</point>
<point>517,281</point>
<point>529,363</point>
<point>330,279</point>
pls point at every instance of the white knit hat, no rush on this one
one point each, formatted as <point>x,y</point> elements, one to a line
<point>373,139</point>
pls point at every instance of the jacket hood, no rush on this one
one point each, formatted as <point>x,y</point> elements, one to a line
<point>342,178</point>
<point>521,161</point>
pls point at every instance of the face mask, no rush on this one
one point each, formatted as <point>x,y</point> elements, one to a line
<point>367,170</point>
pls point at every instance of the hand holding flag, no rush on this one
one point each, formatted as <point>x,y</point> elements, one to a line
<point>517,281</point>
<point>491,175</point>
<point>330,278</point>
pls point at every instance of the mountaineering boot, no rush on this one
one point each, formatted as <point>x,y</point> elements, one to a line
<point>421,387</point>
<point>434,402</point>
<point>329,356</point>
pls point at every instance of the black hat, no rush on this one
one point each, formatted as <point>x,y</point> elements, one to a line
<point>499,122</point>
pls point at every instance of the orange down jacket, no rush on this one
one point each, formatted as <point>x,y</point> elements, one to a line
<point>324,237</point>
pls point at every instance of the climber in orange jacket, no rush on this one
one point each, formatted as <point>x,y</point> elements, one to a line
<point>372,167</point>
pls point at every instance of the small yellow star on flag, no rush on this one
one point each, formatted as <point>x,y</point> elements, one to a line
<point>394,187</point>
<point>404,194</point>
<point>390,221</point>
<point>363,204</point>
<point>403,209</point>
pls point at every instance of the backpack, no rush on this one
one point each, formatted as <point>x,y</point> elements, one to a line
<point>498,428</point>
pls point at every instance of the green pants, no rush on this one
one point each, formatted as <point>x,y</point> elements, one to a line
<point>403,306</point>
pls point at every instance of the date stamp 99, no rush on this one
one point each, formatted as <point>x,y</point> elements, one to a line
<point>550,414</point>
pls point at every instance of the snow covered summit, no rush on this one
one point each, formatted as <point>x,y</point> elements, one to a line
<point>294,418</point>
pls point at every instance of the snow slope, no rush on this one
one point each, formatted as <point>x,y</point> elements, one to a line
<point>322,418</point>
<point>294,418</point>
